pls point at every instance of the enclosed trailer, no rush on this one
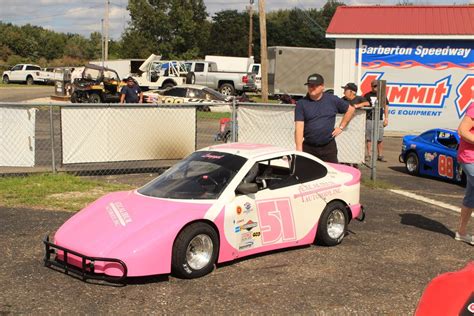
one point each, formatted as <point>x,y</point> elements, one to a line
<point>289,68</point>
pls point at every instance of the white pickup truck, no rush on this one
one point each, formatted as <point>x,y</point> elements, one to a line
<point>228,83</point>
<point>23,73</point>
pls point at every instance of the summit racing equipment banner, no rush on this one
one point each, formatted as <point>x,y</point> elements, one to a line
<point>429,83</point>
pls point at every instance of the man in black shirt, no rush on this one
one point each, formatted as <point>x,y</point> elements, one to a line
<point>315,117</point>
<point>131,93</point>
<point>350,95</point>
<point>372,97</point>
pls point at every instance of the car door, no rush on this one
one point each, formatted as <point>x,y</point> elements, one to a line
<point>282,213</point>
<point>199,72</point>
<point>17,74</point>
<point>446,144</point>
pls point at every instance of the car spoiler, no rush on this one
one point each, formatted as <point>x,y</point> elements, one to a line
<point>86,271</point>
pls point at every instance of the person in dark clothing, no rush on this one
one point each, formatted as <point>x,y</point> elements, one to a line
<point>131,93</point>
<point>371,97</point>
<point>315,117</point>
<point>350,95</point>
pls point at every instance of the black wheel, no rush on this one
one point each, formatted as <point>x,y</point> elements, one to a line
<point>94,98</point>
<point>227,89</point>
<point>412,163</point>
<point>190,78</point>
<point>74,97</point>
<point>29,80</point>
<point>227,138</point>
<point>195,251</point>
<point>168,85</point>
<point>6,80</point>
<point>332,224</point>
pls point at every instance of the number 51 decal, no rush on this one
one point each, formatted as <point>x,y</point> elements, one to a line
<point>276,221</point>
<point>445,166</point>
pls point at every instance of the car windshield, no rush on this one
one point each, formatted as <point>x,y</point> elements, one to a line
<point>91,74</point>
<point>202,175</point>
<point>217,95</point>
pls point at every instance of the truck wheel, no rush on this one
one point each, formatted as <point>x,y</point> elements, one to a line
<point>227,89</point>
<point>195,251</point>
<point>168,85</point>
<point>190,78</point>
<point>29,80</point>
<point>332,224</point>
<point>6,80</point>
<point>94,98</point>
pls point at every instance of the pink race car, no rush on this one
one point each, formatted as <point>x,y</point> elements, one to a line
<point>218,204</point>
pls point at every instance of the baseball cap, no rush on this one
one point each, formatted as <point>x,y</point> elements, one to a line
<point>315,79</point>
<point>350,86</point>
<point>130,78</point>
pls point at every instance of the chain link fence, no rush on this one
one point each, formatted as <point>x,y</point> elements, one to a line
<point>105,139</point>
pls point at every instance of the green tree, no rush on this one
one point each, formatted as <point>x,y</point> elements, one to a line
<point>171,28</point>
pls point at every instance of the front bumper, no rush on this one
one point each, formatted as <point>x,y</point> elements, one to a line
<point>81,265</point>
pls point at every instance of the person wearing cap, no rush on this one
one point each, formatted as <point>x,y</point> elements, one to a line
<point>315,118</point>
<point>131,93</point>
<point>372,97</point>
<point>350,95</point>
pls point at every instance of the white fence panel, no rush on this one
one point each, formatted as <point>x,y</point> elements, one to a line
<point>17,137</point>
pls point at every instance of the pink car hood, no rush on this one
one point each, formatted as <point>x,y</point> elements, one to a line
<point>124,223</point>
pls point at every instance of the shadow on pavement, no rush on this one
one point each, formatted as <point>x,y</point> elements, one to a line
<point>425,223</point>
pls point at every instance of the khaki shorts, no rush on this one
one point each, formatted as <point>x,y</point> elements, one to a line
<point>368,130</point>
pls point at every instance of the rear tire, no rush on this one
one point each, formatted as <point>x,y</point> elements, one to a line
<point>6,80</point>
<point>332,224</point>
<point>412,163</point>
<point>227,89</point>
<point>29,80</point>
<point>195,251</point>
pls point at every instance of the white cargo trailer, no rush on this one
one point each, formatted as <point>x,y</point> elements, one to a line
<point>289,68</point>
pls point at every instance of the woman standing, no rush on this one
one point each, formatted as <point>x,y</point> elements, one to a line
<point>466,158</point>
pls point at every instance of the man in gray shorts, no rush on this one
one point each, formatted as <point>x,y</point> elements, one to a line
<point>371,97</point>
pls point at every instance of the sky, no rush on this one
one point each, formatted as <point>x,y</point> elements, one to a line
<point>84,17</point>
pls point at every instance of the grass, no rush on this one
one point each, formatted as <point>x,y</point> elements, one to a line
<point>12,85</point>
<point>213,115</point>
<point>377,184</point>
<point>258,99</point>
<point>47,191</point>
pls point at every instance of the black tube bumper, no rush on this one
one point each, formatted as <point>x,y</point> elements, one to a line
<point>86,271</point>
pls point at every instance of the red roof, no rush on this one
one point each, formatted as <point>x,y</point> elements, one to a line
<point>403,20</point>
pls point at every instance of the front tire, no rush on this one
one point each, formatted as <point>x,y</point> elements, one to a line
<point>6,80</point>
<point>332,224</point>
<point>195,251</point>
<point>94,98</point>
<point>412,163</point>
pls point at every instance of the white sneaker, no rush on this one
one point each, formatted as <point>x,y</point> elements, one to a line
<point>466,238</point>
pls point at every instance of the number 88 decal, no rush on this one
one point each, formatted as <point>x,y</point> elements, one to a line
<point>445,166</point>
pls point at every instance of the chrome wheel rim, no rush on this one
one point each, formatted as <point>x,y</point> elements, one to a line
<point>226,91</point>
<point>336,224</point>
<point>411,163</point>
<point>199,252</point>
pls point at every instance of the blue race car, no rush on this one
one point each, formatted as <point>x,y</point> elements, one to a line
<point>433,153</point>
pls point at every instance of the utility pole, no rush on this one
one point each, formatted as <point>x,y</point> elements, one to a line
<point>250,8</point>
<point>102,41</point>
<point>106,39</point>
<point>263,49</point>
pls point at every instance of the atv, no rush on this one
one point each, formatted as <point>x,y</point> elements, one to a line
<point>97,85</point>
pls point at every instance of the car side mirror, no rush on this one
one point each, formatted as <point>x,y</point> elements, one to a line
<point>247,188</point>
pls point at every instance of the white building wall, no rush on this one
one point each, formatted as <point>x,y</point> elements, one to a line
<point>345,69</point>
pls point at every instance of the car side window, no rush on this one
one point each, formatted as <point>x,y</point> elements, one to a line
<point>274,173</point>
<point>447,139</point>
<point>175,92</point>
<point>199,67</point>
<point>32,68</point>
<point>428,137</point>
<point>308,170</point>
<point>17,67</point>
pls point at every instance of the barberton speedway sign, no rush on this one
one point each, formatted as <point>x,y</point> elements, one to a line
<point>429,83</point>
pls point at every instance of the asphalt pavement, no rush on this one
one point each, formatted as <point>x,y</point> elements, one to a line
<point>17,93</point>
